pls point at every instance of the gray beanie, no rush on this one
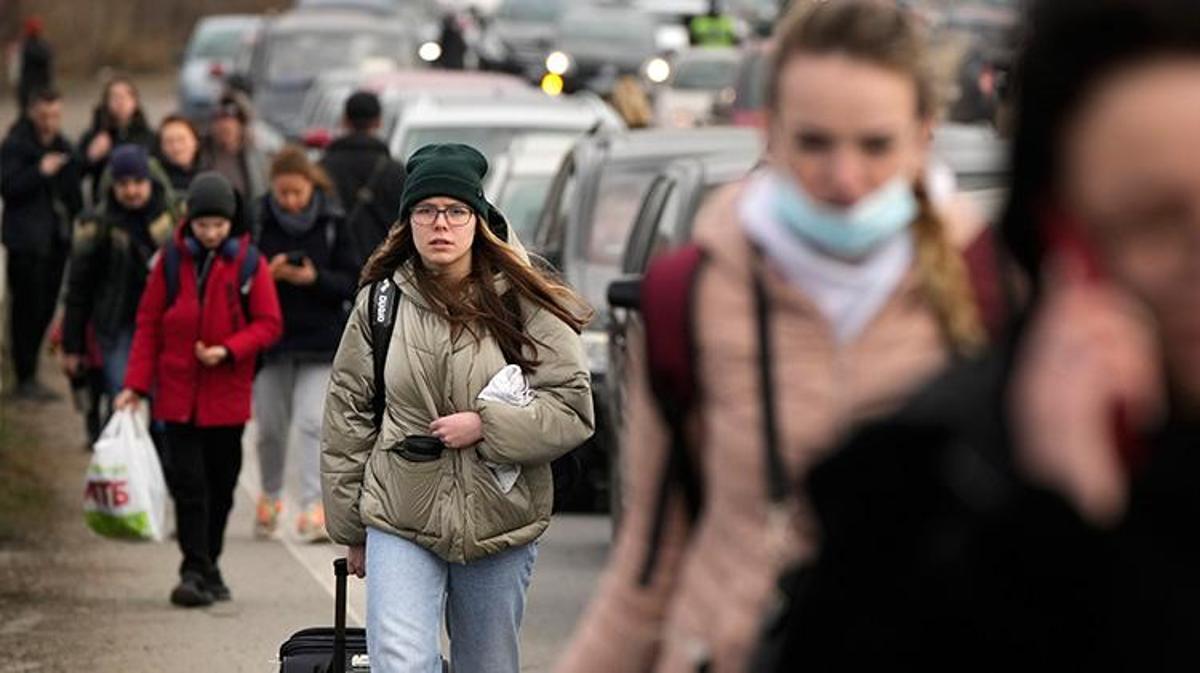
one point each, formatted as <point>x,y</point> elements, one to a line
<point>211,195</point>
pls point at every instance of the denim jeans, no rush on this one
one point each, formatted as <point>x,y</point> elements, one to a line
<point>116,359</point>
<point>409,589</point>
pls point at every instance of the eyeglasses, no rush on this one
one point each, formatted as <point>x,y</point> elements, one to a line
<point>456,216</point>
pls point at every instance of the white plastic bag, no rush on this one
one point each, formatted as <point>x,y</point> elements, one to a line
<point>126,494</point>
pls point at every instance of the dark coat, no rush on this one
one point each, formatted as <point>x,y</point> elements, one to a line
<point>357,161</point>
<point>939,554</point>
<point>137,133</point>
<point>111,255</point>
<point>163,358</point>
<point>37,68</point>
<point>180,177</point>
<point>314,315</point>
<point>38,210</point>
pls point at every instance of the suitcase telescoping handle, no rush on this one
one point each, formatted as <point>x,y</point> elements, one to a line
<point>340,573</point>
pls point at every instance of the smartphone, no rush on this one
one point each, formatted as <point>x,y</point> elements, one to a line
<point>1063,236</point>
<point>296,258</point>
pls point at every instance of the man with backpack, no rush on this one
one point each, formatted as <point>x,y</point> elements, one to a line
<point>369,182</point>
<point>110,258</point>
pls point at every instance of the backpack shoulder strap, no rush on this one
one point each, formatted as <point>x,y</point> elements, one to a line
<point>667,309</point>
<point>384,297</point>
<point>170,253</point>
<point>246,276</point>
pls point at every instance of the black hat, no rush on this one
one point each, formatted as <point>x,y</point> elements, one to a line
<point>211,195</point>
<point>363,107</point>
<point>452,170</point>
<point>129,162</point>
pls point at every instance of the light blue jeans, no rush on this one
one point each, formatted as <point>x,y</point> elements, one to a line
<point>409,589</point>
<point>116,359</point>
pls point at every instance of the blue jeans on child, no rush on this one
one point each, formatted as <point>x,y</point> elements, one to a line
<point>409,589</point>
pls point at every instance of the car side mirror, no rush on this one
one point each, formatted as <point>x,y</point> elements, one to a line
<point>625,293</point>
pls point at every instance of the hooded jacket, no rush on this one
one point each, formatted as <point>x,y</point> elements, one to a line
<point>163,358</point>
<point>111,254</point>
<point>38,210</point>
<point>452,506</point>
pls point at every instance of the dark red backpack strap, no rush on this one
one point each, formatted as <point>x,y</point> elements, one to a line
<point>667,310</point>
<point>987,284</point>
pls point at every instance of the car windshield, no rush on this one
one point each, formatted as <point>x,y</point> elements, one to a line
<point>608,28</point>
<point>491,141</point>
<point>536,11</point>
<point>299,56</point>
<point>521,202</point>
<point>218,42</point>
<point>752,88</point>
<point>704,74</point>
<point>619,195</point>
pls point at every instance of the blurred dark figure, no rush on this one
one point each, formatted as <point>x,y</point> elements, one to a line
<point>110,259</point>
<point>118,119</point>
<point>368,181</point>
<point>453,42</point>
<point>37,62</point>
<point>1038,508</point>
<point>229,150</point>
<point>178,151</point>
<point>39,182</point>
<point>978,90</point>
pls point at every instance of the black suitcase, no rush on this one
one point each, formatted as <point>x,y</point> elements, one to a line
<point>326,650</point>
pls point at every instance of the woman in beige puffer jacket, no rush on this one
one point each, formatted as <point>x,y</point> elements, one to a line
<point>443,504</point>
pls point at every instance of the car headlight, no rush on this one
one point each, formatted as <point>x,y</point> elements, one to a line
<point>595,346</point>
<point>430,52</point>
<point>658,70</point>
<point>558,63</point>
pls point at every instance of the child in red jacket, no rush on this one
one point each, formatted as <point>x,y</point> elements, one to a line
<point>208,310</point>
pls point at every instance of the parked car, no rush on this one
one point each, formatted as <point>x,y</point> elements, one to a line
<point>585,223</point>
<point>595,44</point>
<point>216,48</point>
<point>523,31</point>
<point>664,221</point>
<point>298,46</point>
<point>491,122</point>
<point>324,105</point>
<point>742,103</point>
<point>696,79</point>
<point>520,178</point>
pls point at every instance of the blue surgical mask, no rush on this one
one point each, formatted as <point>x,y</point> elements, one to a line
<point>848,233</point>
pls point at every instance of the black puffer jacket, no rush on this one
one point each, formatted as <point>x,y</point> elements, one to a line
<point>938,554</point>
<point>38,210</point>
<point>313,315</point>
<point>357,161</point>
<point>111,255</point>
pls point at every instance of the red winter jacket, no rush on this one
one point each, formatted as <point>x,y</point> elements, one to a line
<point>163,359</point>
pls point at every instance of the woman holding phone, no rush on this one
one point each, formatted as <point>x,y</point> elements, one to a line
<point>303,235</point>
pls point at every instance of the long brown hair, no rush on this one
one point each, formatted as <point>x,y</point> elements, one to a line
<point>884,35</point>
<point>292,160</point>
<point>477,303</point>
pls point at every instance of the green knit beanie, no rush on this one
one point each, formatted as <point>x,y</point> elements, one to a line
<point>451,170</point>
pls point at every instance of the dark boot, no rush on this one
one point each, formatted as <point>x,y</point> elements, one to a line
<point>217,587</point>
<point>191,592</point>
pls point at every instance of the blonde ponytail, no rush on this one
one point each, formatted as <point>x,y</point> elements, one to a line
<point>943,276</point>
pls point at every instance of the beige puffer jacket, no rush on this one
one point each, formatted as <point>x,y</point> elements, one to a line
<point>452,506</point>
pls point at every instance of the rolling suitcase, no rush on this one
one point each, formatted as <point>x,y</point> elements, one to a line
<point>326,650</point>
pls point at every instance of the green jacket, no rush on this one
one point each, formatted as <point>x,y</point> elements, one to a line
<point>451,506</point>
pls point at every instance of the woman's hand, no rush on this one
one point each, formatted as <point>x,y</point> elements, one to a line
<point>281,269</point>
<point>127,399</point>
<point>99,147</point>
<point>1089,352</point>
<point>458,431</point>
<point>211,356</point>
<point>356,560</point>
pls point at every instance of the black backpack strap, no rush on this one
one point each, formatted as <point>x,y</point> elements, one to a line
<point>246,277</point>
<point>170,253</point>
<point>667,310</point>
<point>777,481</point>
<point>384,298</point>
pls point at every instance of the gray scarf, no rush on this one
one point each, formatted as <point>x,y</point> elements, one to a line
<point>298,224</point>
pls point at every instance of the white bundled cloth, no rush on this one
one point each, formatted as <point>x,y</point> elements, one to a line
<point>508,386</point>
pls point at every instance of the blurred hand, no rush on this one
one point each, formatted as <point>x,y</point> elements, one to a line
<point>1090,349</point>
<point>99,147</point>
<point>458,431</point>
<point>52,163</point>
<point>127,399</point>
<point>356,560</point>
<point>210,356</point>
<point>281,270</point>
<point>71,364</point>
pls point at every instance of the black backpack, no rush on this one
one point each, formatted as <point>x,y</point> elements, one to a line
<point>384,298</point>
